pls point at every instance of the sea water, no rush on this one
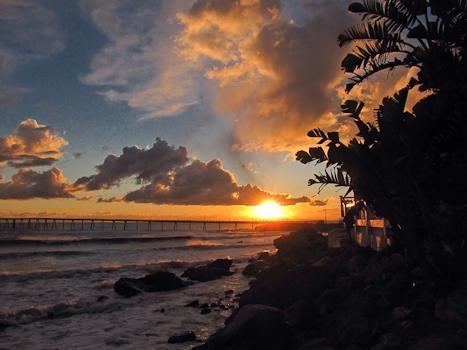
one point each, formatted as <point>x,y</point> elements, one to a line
<point>56,288</point>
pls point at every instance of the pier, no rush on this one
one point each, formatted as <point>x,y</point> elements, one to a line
<point>139,225</point>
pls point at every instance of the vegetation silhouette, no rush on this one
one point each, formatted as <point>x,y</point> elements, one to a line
<point>410,167</point>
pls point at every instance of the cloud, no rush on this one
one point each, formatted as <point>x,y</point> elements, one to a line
<point>167,176</point>
<point>319,203</point>
<point>146,164</point>
<point>138,65</point>
<point>109,200</point>
<point>201,183</point>
<point>31,144</point>
<point>274,77</point>
<point>29,31</point>
<point>84,198</point>
<point>28,184</point>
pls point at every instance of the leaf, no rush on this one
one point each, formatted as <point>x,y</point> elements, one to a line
<point>317,153</point>
<point>312,182</point>
<point>357,7</point>
<point>418,32</point>
<point>333,136</point>
<point>303,157</point>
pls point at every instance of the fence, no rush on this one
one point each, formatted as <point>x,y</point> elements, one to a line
<point>369,230</point>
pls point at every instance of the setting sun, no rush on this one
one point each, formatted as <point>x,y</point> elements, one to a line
<point>269,210</point>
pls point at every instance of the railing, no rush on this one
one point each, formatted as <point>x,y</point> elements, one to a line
<point>369,230</point>
<point>92,224</point>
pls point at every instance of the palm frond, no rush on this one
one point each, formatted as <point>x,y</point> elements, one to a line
<point>331,176</point>
<point>372,68</point>
<point>394,16</point>
<point>370,31</point>
<point>367,52</point>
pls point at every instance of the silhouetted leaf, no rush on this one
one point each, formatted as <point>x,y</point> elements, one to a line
<point>318,154</point>
<point>356,7</point>
<point>333,136</point>
<point>303,157</point>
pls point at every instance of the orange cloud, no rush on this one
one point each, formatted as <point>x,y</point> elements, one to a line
<point>274,77</point>
<point>28,184</point>
<point>31,144</point>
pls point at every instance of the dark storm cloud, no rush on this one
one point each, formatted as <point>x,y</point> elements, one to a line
<point>206,184</point>
<point>28,184</point>
<point>167,176</point>
<point>145,164</point>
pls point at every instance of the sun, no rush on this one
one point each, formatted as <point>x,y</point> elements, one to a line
<point>269,210</point>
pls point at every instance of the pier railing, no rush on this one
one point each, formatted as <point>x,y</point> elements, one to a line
<point>106,224</point>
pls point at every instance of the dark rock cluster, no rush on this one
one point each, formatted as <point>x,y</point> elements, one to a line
<point>310,297</point>
<point>164,281</point>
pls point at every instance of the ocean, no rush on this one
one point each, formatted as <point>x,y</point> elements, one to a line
<point>56,288</point>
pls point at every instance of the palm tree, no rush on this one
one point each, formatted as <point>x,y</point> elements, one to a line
<point>428,34</point>
<point>409,167</point>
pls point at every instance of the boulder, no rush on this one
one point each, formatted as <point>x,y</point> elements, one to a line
<point>453,309</point>
<point>304,245</point>
<point>281,287</point>
<point>352,329</point>
<point>154,282</point>
<point>194,303</point>
<point>253,269</point>
<point>182,338</point>
<point>302,315</point>
<point>211,271</point>
<point>253,327</point>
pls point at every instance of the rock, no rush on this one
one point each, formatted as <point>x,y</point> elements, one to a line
<point>194,303</point>
<point>352,329</point>
<point>253,269</point>
<point>155,282</point>
<point>389,341</point>
<point>229,292</point>
<point>281,287</point>
<point>316,344</point>
<point>331,299</point>
<point>433,343</point>
<point>349,282</point>
<point>211,271</point>
<point>102,298</point>
<point>304,245</point>
<point>125,288</point>
<point>253,327</point>
<point>204,305</point>
<point>182,338</point>
<point>453,309</point>
<point>205,311</point>
<point>400,313</point>
<point>263,256</point>
<point>302,315</point>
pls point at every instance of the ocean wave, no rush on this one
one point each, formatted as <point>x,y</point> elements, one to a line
<point>18,255</point>
<point>113,240</point>
<point>59,310</point>
<point>107,268</point>
<point>125,240</point>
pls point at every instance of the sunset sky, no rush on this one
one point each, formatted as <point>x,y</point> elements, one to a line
<point>165,108</point>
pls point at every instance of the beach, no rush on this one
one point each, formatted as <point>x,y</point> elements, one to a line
<point>57,287</point>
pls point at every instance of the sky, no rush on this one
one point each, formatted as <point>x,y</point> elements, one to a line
<point>168,108</point>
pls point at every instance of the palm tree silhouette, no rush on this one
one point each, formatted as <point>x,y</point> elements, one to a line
<point>430,35</point>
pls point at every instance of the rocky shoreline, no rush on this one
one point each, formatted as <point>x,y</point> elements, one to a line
<point>309,297</point>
